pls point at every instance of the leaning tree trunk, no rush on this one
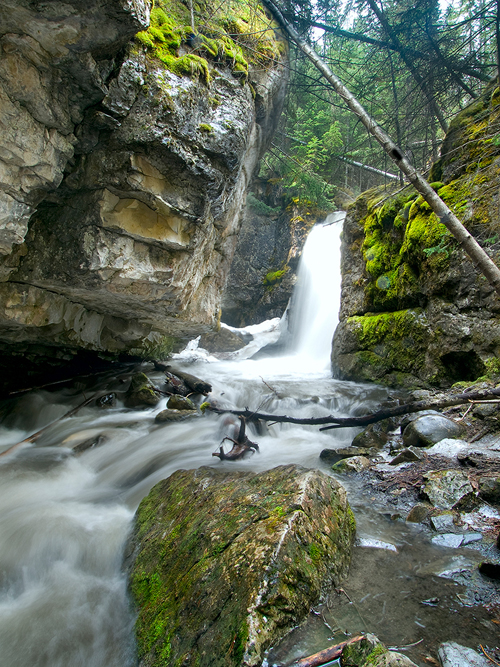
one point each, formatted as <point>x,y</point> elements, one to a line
<point>480,258</point>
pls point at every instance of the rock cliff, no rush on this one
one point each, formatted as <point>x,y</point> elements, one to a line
<point>124,166</point>
<point>263,272</point>
<point>415,311</point>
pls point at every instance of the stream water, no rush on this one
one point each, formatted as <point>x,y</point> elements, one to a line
<point>65,516</point>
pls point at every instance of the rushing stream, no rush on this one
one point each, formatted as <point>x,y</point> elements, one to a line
<point>65,515</point>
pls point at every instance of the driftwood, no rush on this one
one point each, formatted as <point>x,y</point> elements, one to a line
<point>241,446</point>
<point>327,655</point>
<point>365,420</point>
<point>194,383</point>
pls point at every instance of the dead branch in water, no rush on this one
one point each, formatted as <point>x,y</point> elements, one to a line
<point>241,446</point>
<point>365,420</point>
<point>327,655</point>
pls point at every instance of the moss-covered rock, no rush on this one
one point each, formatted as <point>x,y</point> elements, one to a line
<point>141,392</point>
<point>415,311</point>
<point>225,563</point>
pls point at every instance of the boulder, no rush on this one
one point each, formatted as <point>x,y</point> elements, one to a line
<point>371,436</point>
<point>419,513</point>
<point>141,392</point>
<point>405,456</point>
<point>352,464</point>
<point>173,415</point>
<point>448,489</point>
<point>221,341</point>
<point>177,402</point>
<point>489,488</point>
<point>429,429</point>
<point>452,654</point>
<point>370,652</point>
<point>224,563</point>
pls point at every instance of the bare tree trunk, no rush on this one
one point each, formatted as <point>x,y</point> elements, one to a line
<point>479,257</point>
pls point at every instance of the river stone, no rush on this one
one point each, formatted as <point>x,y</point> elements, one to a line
<point>405,456</point>
<point>390,659</point>
<point>430,429</point>
<point>419,513</point>
<point>358,653</point>
<point>177,402</point>
<point>447,489</point>
<point>352,464</point>
<point>221,341</point>
<point>224,563</point>
<point>370,437</point>
<point>173,415</point>
<point>452,654</point>
<point>489,488</point>
<point>334,455</point>
<point>141,392</point>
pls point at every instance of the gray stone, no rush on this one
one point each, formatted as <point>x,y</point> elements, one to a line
<point>469,538</point>
<point>443,523</point>
<point>352,464</point>
<point>452,654</point>
<point>371,436</point>
<point>391,659</point>
<point>430,429</point>
<point>447,489</point>
<point>407,419</point>
<point>221,341</point>
<point>489,488</point>
<point>485,410</point>
<point>450,540</point>
<point>335,455</point>
<point>217,555</point>
<point>406,455</point>
<point>419,513</point>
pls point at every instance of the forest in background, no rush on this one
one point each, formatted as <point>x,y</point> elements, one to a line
<point>413,66</point>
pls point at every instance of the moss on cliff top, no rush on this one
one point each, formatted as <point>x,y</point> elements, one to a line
<point>236,34</point>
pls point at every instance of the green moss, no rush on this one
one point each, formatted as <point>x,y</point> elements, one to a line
<point>371,658</point>
<point>273,277</point>
<point>155,347</point>
<point>234,35</point>
<point>204,127</point>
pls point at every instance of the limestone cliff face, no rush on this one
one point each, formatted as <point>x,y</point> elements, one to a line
<point>415,311</point>
<point>264,269</point>
<point>123,181</point>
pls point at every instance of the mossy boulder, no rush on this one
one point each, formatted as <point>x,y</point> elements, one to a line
<point>141,392</point>
<point>224,563</point>
<point>415,311</point>
<point>177,402</point>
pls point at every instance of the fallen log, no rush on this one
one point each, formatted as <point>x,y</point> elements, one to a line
<point>241,446</point>
<point>365,420</point>
<point>194,383</point>
<point>327,655</point>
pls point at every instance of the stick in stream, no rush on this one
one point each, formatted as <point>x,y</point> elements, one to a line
<point>365,420</point>
<point>327,655</point>
<point>35,436</point>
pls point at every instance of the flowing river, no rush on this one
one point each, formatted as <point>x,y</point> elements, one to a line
<point>65,514</point>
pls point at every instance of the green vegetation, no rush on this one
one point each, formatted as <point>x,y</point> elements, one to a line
<point>273,277</point>
<point>235,35</point>
<point>261,207</point>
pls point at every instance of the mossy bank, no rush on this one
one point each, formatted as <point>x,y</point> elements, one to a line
<point>415,311</point>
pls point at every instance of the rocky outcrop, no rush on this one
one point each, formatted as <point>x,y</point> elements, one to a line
<point>224,563</point>
<point>264,268</point>
<point>415,311</point>
<point>125,171</point>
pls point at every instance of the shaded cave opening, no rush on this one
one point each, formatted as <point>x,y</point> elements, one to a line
<point>462,366</point>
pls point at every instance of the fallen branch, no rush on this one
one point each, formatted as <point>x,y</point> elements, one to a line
<point>241,446</point>
<point>365,420</point>
<point>328,654</point>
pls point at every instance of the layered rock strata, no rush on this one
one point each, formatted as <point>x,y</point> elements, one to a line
<point>123,181</point>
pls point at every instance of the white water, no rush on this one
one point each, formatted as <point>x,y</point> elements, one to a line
<point>64,518</point>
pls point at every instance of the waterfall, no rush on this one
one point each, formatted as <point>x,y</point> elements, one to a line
<point>316,300</point>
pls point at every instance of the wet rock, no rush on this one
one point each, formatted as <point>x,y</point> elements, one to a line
<point>450,540</point>
<point>419,513</point>
<point>485,410</point>
<point>108,401</point>
<point>141,392</point>
<point>452,654</point>
<point>356,654</point>
<point>443,523</point>
<point>390,659</point>
<point>430,429</point>
<point>489,488</point>
<point>180,403</point>
<point>370,437</point>
<point>173,415</point>
<point>221,341</point>
<point>222,564</point>
<point>335,455</point>
<point>406,455</point>
<point>407,419</point>
<point>352,464</point>
<point>90,444</point>
<point>469,538</point>
<point>448,489</point>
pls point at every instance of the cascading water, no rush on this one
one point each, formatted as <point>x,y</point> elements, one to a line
<point>65,514</point>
